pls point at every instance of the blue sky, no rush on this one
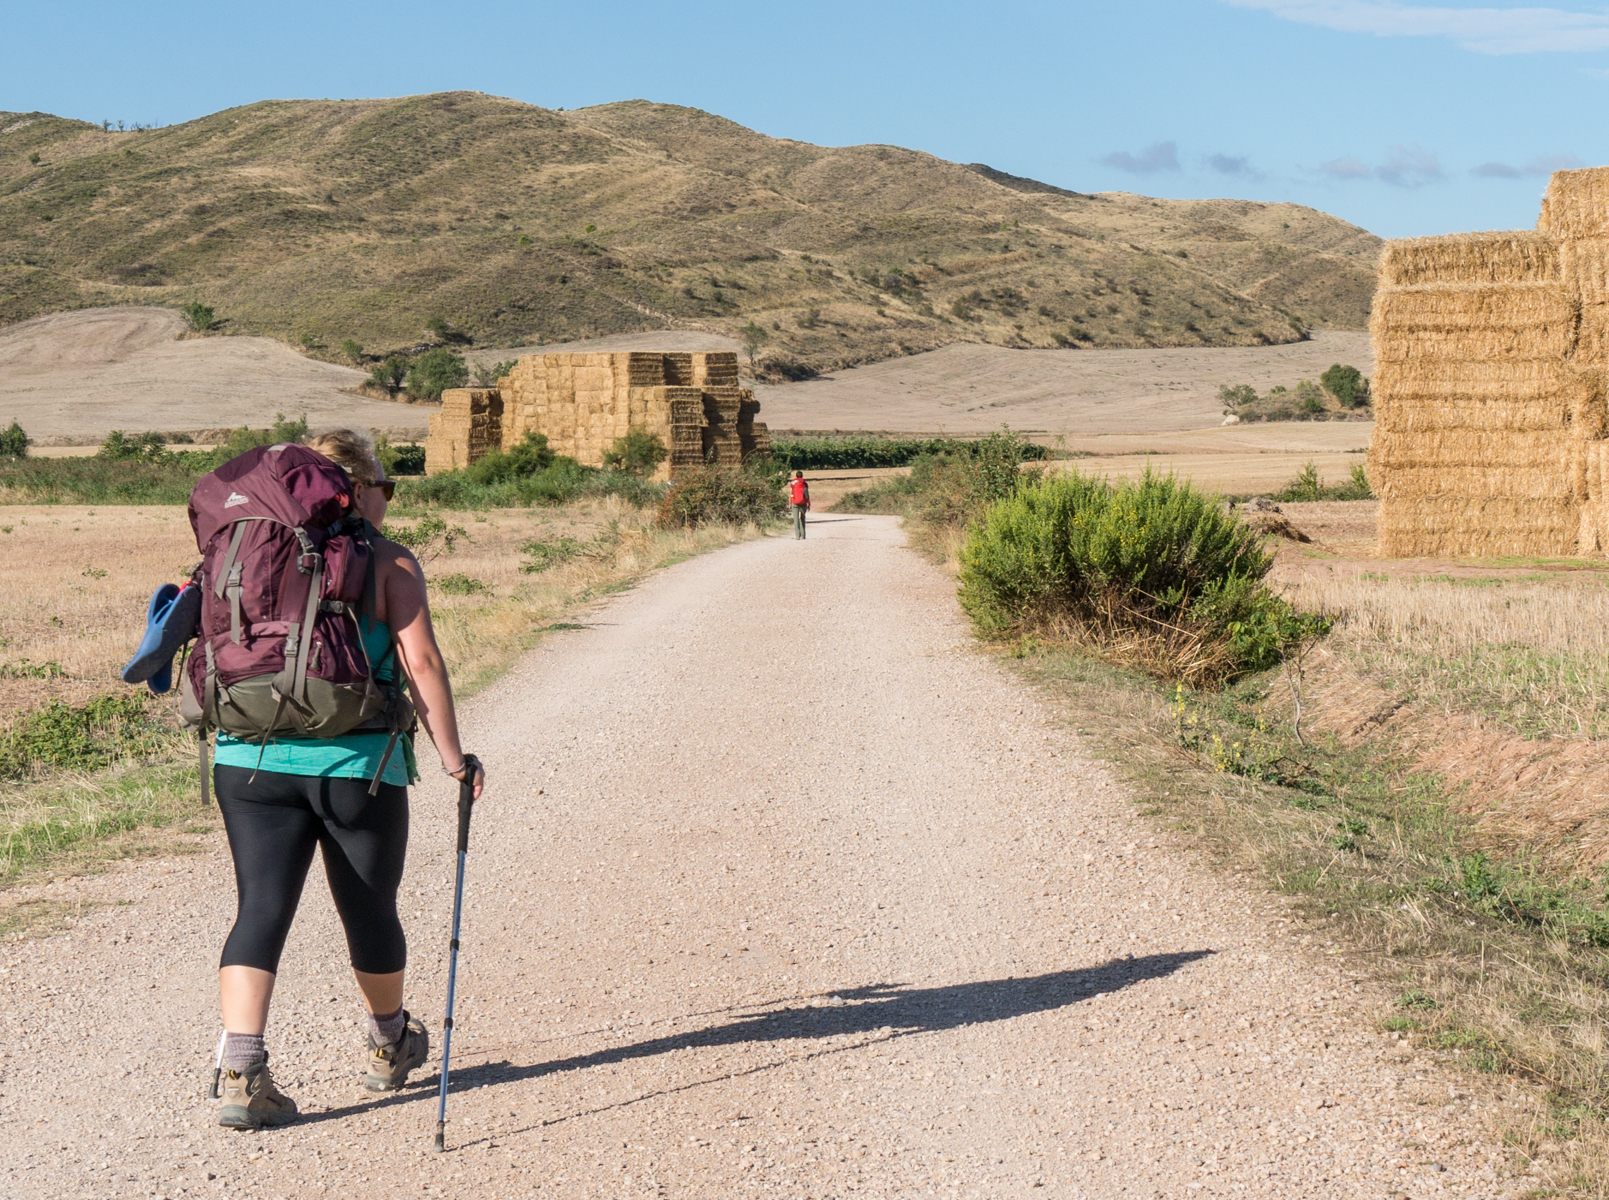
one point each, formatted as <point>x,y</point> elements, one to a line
<point>1406,119</point>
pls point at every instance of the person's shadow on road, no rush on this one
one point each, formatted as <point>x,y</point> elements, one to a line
<point>888,1011</point>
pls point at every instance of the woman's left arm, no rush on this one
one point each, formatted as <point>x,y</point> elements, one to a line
<point>408,614</point>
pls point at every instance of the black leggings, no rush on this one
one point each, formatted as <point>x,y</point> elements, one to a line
<point>273,824</point>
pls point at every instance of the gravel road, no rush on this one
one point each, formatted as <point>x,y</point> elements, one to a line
<point>781,889</point>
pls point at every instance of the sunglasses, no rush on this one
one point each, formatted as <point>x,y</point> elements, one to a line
<point>387,486</point>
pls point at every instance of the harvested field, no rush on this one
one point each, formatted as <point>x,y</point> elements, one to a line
<point>74,376</point>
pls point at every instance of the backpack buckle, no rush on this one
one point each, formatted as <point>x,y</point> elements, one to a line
<point>308,562</point>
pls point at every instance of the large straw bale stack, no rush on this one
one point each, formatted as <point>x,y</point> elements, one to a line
<point>1576,204</point>
<point>1510,257</point>
<point>1492,428</point>
<point>468,426</point>
<point>582,403</point>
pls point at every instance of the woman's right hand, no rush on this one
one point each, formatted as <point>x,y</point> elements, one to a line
<point>480,776</point>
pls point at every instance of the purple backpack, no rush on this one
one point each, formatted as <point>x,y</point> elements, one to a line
<point>287,568</point>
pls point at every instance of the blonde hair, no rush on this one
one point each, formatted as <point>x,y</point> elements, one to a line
<point>351,451</point>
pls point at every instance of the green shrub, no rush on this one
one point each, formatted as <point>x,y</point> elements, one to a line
<point>1310,486</point>
<point>390,373</point>
<point>430,538</point>
<point>846,453</point>
<point>353,350</point>
<point>545,554</point>
<point>198,315</point>
<point>458,584</point>
<point>140,446</point>
<point>528,457</point>
<point>434,371</point>
<point>80,737</point>
<point>1151,563</point>
<point>1347,385</point>
<point>639,452</point>
<point>14,442</point>
<point>712,495</point>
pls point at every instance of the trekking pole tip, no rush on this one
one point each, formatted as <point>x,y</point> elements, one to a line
<point>441,1136</point>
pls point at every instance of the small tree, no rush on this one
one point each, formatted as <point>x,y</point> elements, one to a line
<point>1232,397</point>
<point>199,316</point>
<point>14,442</point>
<point>638,453</point>
<point>437,326</point>
<point>390,373</point>
<point>434,371</point>
<point>1347,385</point>
<point>487,376</point>
<point>754,336</point>
<point>353,350</point>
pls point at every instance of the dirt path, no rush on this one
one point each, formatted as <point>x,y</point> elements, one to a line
<point>782,889</point>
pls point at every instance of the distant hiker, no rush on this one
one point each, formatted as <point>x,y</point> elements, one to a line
<point>799,499</point>
<point>285,793</point>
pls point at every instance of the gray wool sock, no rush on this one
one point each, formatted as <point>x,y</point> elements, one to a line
<point>243,1051</point>
<point>385,1028</point>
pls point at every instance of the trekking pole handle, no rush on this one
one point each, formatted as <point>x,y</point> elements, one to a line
<point>466,800</point>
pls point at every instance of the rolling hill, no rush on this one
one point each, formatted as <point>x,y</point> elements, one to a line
<point>319,221</point>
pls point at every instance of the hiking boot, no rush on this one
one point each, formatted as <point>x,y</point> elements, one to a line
<point>389,1065</point>
<point>251,1101</point>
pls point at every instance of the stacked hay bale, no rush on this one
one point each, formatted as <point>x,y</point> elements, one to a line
<point>468,426</point>
<point>583,402</point>
<point>1489,385</point>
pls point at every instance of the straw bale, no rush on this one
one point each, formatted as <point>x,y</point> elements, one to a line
<point>1577,204</point>
<point>715,369</point>
<point>1473,323</point>
<point>1584,267</point>
<point>1443,447</point>
<point>1490,528</point>
<point>1432,379</point>
<point>678,368</point>
<point>1592,342</point>
<point>1470,483</point>
<point>1475,258</point>
<point>1588,395</point>
<point>756,439</point>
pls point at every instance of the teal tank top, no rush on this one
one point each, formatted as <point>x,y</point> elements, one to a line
<point>352,756</point>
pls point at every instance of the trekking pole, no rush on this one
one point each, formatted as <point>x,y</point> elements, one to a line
<point>217,1067</point>
<point>466,802</point>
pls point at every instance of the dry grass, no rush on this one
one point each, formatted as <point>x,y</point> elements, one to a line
<point>1530,652</point>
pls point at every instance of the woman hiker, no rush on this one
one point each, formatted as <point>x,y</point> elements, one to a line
<point>315,793</point>
<point>799,500</point>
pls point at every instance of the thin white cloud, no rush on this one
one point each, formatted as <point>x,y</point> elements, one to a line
<point>1405,167</point>
<point>1541,164</point>
<point>1162,156</point>
<point>1482,30</point>
<point>1346,169</point>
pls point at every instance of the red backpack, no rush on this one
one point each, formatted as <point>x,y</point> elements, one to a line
<point>287,568</point>
<point>798,491</point>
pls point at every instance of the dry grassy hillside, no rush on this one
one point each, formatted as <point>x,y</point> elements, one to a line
<point>364,219</point>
